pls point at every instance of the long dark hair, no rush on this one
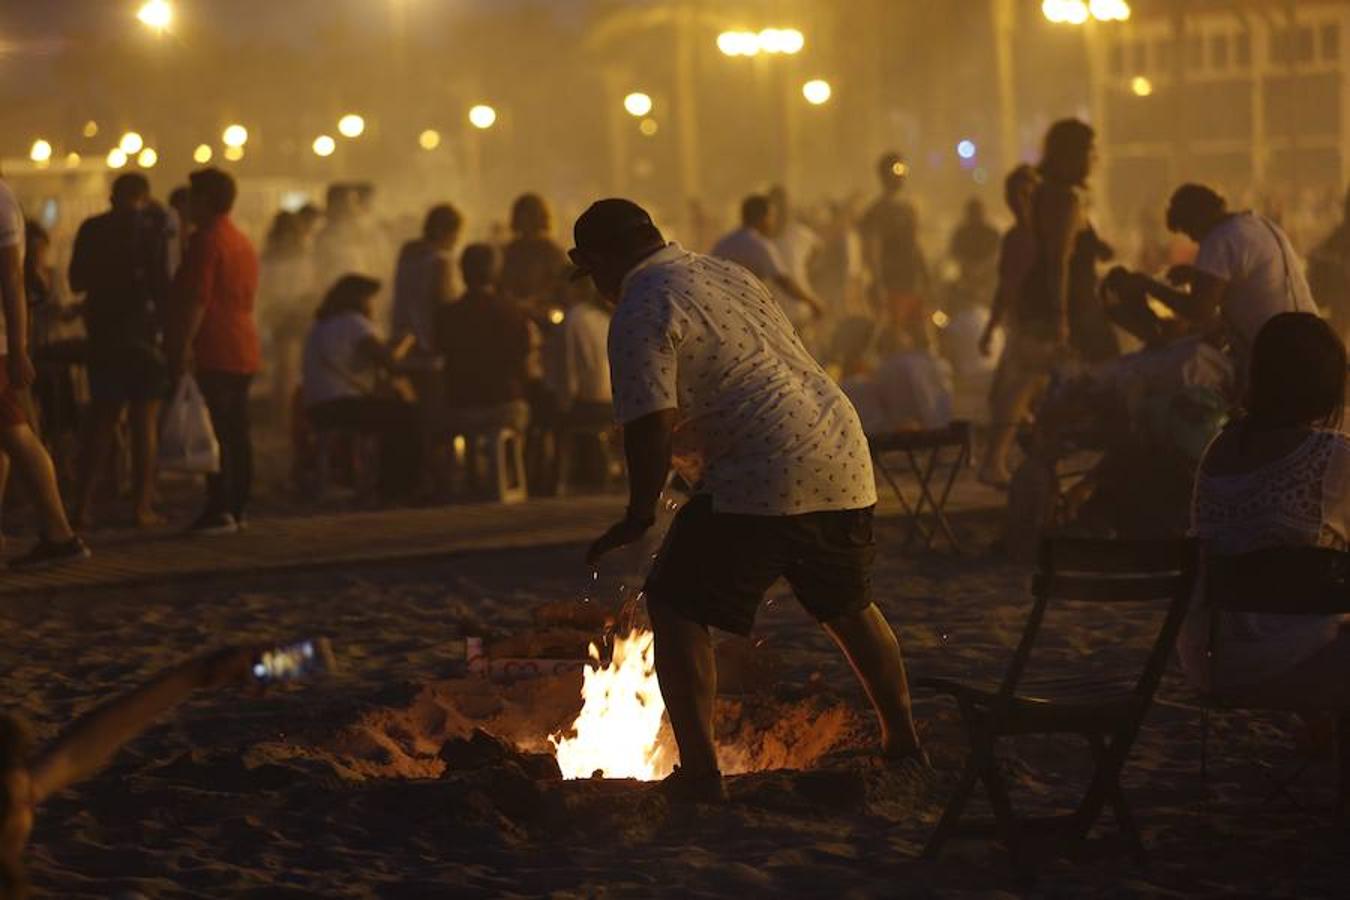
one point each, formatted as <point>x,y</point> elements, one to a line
<point>349,294</point>
<point>1064,157</point>
<point>1297,375</point>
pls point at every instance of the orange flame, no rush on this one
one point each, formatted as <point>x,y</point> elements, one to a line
<point>618,730</point>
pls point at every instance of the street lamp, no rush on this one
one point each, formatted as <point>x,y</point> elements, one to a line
<point>91,129</point>
<point>147,158</point>
<point>817,91</point>
<point>429,139</point>
<point>202,155</point>
<point>482,117</point>
<point>131,143</point>
<point>117,158</point>
<point>351,126</point>
<point>156,15</point>
<point>1077,12</point>
<point>234,154</point>
<point>788,41</point>
<point>41,152</point>
<point>638,104</point>
<point>324,145</point>
<point>234,136</point>
<point>648,127</point>
<point>72,160</point>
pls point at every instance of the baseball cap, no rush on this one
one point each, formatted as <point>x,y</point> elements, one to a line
<point>605,223</point>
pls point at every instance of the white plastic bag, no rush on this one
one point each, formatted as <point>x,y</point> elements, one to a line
<point>187,442</point>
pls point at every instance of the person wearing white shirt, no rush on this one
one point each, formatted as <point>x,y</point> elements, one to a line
<point>1245,273</point>
<point>752,246</point>
<point>710,379</point>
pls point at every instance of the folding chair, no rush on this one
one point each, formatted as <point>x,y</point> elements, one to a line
<point>922,452</point>
<point>1107,711</point>
<point>1279,581</point>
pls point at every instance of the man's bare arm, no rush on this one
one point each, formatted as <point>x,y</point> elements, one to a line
<point>647,446</point>
<point>92,740</point>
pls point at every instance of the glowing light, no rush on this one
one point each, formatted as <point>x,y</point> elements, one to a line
<point>556,316</point>
<point>817,92</point>
<point>41,151</point>
<point>1065,12</point>
<point>618,729</point>
<point>324,145</point>
<point>1110,10</point>
<point>202,155</point>
<point>233,154</point>
<point>351,126</point>
<point>899,169</point>
<point>130,143</point>
<point>234,136</point>
<point>966,149</point>
<point>482,116</point>
<point>940,319</point>
<point>648,127</point>
<point>147,158</point>
<point>1141,86</point>
<point>117,158</point>
<point>156,14</point>
<point>787,41</point>
<point>91,129</point>
<point>72,160</point>
<point>429,139</point>
<point>638,104</point>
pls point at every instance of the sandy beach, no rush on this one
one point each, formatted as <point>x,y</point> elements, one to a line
<point>371,784</point>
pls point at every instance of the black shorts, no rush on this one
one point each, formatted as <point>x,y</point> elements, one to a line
<point>715,567</point>
<point>131,375</point>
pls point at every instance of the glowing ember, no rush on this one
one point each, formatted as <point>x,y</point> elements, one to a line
<point>618,730</point>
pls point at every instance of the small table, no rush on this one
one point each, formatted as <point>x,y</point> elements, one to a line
<point>923,451</point>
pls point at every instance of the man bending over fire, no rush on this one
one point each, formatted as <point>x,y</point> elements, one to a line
<point>709,377</point>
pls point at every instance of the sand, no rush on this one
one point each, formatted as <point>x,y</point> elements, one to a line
<point>364,786</point>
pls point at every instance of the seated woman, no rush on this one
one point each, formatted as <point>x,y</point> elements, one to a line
<point>1279,476</point>
<point>27,778</point>
<point>345,386</point>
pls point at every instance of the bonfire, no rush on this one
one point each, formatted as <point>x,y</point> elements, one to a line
<point>618,732</point>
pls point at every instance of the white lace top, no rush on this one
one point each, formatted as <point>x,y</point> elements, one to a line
<point>1299,500</point>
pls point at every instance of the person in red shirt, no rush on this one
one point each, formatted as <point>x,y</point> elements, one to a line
<point>217,339</point>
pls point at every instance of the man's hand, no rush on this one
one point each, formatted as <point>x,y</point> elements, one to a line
<point>21,372</point>
<point>628,531</point>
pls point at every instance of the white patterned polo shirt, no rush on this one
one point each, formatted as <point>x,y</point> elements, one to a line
<point>762,428</point>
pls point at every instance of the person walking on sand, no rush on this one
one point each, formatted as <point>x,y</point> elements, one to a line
<point>18,441</point>
<point>710,378</point>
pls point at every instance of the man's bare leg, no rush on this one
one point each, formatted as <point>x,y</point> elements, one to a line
<point>35,467</point>
<point>874,652</point>
<point>144,450</point>
<point>687,671</point>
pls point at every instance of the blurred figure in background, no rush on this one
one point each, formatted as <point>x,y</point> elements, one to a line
<point>424,282</point>
<point>180,227</point>
<point>486,341</point>
<point>533,263</point>
<point>286,294</point>
<point>1029,351</point>
<point>797,244</point>
<point>974,249</point>
<point>57,542</point>
<point>346,386</point>
<point>1329,272</point>
<point>752,247</point>
<point>119,264</point>
<point>52,320</point>
<point>1062,301</point>
<point>343,246</point>
<point>901,287</point>
<point>580,380</point>
<point>214,335</point>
